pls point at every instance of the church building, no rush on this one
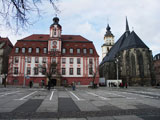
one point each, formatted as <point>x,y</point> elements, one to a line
<point>75,57</point>
<point>130,60</point>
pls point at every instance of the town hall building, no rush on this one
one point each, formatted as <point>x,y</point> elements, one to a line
<point>75,58</point>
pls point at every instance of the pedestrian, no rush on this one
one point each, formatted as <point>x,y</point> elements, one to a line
<point>126,85</point>
<point>30,83</point>
<point>73,86</point>
<point>42,83</point>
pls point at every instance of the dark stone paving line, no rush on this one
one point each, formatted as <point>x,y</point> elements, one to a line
<point>67,105</point>
<point>29,106</point>
<point>138,112</point>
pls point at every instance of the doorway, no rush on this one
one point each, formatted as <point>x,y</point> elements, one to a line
<point>53,82</point>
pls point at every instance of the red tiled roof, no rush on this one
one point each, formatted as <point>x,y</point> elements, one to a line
<point>68,41</point>
<point>7,42</point>
<point>47,37</point>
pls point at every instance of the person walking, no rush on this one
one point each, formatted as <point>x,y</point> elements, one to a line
<point>30,83</point>
<point>73,86</point>
<point>126,85</point>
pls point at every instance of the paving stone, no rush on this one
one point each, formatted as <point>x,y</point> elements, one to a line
<point>72,119</point>
<point>86,106</point>
<point>100,118</point>
<point>127,117</point>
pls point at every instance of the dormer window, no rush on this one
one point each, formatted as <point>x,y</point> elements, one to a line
<point>64,50</point>
<point>29,50</point>
<point>17,50</point>
<point>37,50</point>
<point>23,50</point>
<point>84,50</point>
<point>71,50</point>
<point>44,50</point>
<point>78,51</point>
<point>91,51</point>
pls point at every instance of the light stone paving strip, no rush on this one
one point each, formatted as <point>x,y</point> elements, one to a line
<point>86,106</point>
<point>49,105</point>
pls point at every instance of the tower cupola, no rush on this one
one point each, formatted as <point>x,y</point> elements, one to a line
<point>108,41</point>
<point>55,28</point>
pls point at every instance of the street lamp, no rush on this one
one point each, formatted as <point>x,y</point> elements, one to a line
<point>24,81</point>
<point>117,69</point>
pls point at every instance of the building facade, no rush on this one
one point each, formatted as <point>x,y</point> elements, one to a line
<point>129,60</point>
<point>157,68</point>
<point>5,49</point>
<point>108,42</point>
<point>75,58</point>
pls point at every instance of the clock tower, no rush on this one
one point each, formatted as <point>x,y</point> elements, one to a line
<point>108,42</point>
<point>54,43</point>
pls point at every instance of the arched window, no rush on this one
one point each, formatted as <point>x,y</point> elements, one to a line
<point>133,65</point>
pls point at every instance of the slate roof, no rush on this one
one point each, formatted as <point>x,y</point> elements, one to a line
<point>133,41</point>
<point>125,42</point>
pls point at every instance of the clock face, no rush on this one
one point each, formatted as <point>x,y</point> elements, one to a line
<point>54,43</point>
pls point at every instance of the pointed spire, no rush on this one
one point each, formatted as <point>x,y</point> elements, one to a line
<point>127,26</point>
<point>108,28</point>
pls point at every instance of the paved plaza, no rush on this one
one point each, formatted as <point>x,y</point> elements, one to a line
<point>133,103</point>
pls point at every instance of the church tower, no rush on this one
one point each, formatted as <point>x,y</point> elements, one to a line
<point>54,43</point>
<point>108,42</point>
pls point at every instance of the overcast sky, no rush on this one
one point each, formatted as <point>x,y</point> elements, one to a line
<point>89,18</point>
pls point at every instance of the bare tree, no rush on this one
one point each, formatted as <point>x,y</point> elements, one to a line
<point>50,70</point>
<point>17,13</point>
<point>94,74</point>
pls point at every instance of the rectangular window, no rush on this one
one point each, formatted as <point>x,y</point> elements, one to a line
<point>71,60</point>
<point>29,59</point>
<point>35,71</point>
<point>28,70</point>
<point>44,50</point>
<point>91,51</point>
<point>54,71</point>
<point>37,50</point>
<point>23,50</point>
<point>71,50</point>
<point>16,59</point>
<point>43,71</point>
<point>91,71</point>
<point>63,60</point>
<point>63,71</point>
<point>78,61</point>
<point>84,50</point>
<point>53,60</point>
<point>36,60</point>
<point>78,71</point>
<point>64,50</point>
<point>44,60</point>
<point>17,50</point>
<point>71,71</point>
<point>29,50</point>
<point>15,70</point>
<point>90,61</point>
<point>78,51</point>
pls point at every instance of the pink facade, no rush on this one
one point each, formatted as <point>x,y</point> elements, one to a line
<point>76,58</point>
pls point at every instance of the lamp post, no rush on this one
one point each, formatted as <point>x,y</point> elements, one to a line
<point>117,69</point>
<point>24,81</point>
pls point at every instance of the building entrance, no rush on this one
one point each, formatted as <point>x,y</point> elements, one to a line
<point>53,82</point>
